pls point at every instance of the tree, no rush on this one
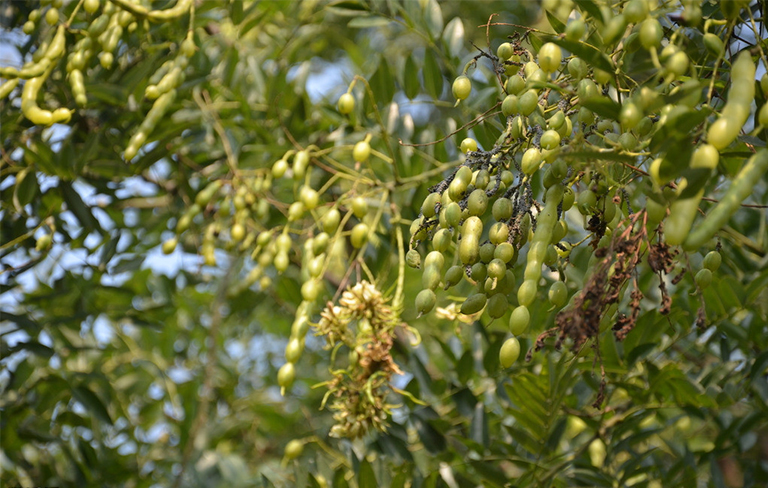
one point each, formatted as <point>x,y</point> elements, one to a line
<point>227,228</point>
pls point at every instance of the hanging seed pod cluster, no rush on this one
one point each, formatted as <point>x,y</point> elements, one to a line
<point>89,35</point>
<point>612,123</point>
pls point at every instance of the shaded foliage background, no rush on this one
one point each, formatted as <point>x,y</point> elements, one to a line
<point>122,367</point>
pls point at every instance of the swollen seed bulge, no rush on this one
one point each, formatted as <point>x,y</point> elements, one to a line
<point>550,56</point>
<point>497,306</point>
<point>461,88</point>
<point>477,203</point>
<point>712,261</point>
<point>504,251</point>
<point>519,320</point>
<point>478,272</point>
<point>331,220</point>
<point>359,235</point>
<point>473,304</point>
<point>453,276</point>
<point>413,259</point>
<point>509,352</point>
<point>425,301</point>
<point>502,209</point>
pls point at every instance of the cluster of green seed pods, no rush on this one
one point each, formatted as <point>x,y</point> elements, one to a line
<point>564,118</point>
<point>107,23</point>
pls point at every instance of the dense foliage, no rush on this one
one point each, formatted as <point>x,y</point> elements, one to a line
<point>384,243</point>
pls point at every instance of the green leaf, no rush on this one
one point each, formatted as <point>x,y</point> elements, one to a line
<point>603,106</point>
<point>590,7</point>
<point>558,26</point>
<point>26,188</point>
<point>368,22</point>
<point>411,85</point>
<point>433,77</point>
<point>453,36</point>
<point>339,479</point>
<point>535,41</point>
<point>92,403</point>
<point>76,205</point>
<point>365,476</point>
<point>382,83</point>
<point>478,430</point>
<point>348,8</point>
<point>433,18</point>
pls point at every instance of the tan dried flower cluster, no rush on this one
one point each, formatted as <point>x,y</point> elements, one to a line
<point>364,323</point>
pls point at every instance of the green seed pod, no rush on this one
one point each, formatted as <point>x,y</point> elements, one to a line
<point>331,220</point>
<point>320,243</point>
<point>281,261</point>
<point>482,179</point>
<point>300,165</point>
<point>505,51</point>
<point>497,306</point>
<point>477,203</point>
<point>703,278</point>
<point>614,28</point>
<point>515,84</point>
<point>526,294</point>
<point>453,276</point>
<point>650,33</point>
<point>487,251</point>
<point>435,259</point>
<point>425,301</point>
<point>456,189</point>
<point>361,152</point>
<point>479,272</point>
<point>473,226</point>
<point>461,88</point>
<point>713,44</point>
<point>286,375</point>
<point>558,294</point>
<point>531,160</point>
<point>279,168</point>
<point>430,279</point>
<point>509,352</point>
<point>316,265</point>
<point>294,349</point>
<point>413,259</point>
<point>283,243</point>
<point>417,232</point>
<point>467,145</point>
<point>309,197</point>
<point>442,239</point>
<point>519,320</point>
<point>502,209</point>
<point>359,235</point>
<point>473,304</point>
<point>509,284</point>
<point>712,261</point>
<point>550,139</point>
<point>453,214</point>
<point>568,198</point>
<point>577,68</point>
<point>587,89</point>
<point>510,105</point>
<point>635,10</point>
<point>587,202</point>
<point>528,102</point>
<point>575,30</point>
<point>428,207</point>
<point>505,252</point>
<point>310,290</point>
<point>498,233</point>
<point>497,269</point>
